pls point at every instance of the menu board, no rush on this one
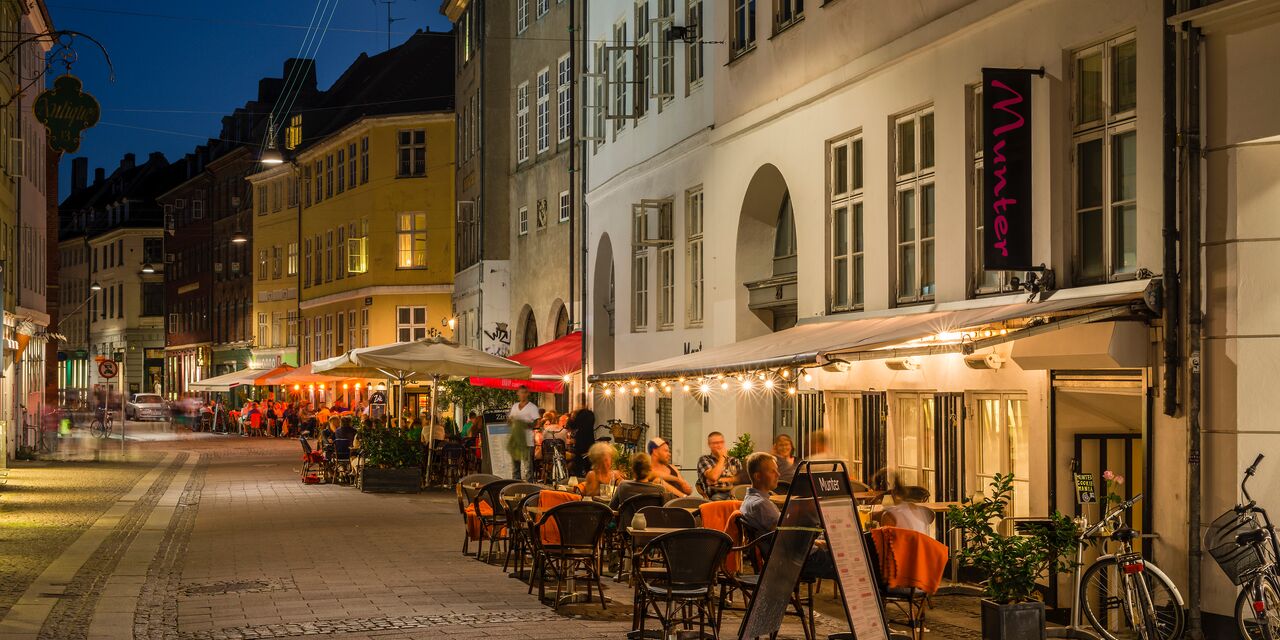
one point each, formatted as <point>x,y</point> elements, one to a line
<point>1086,492</point>
<point>819,501</point>
<point>494,448</point>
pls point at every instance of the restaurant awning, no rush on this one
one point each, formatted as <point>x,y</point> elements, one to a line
<point>894,333</point>
<point>550,363</point>
<point>241,378</point>
<point>303,375</point>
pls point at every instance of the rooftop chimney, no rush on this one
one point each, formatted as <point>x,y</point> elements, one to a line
<point>128,161</point>
<point>79,173</point>
<point>99,175</point>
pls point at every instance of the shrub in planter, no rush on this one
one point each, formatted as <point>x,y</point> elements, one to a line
<point>1013,563</point>
<point>392,460</point>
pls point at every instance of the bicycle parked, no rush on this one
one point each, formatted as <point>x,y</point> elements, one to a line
<point>1243,543</point>
<point>103,423</point>
<point>1120,594</point>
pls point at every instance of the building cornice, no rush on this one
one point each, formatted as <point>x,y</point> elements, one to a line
<point>384,290</point>
<point>366,123</point>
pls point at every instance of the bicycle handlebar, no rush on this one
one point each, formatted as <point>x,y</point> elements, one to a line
<point>1110,515</point>
<point>1253,468</point>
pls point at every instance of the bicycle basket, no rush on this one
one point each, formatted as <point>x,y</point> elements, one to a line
<point>1239,562</point>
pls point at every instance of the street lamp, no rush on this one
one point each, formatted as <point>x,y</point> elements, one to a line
<point>239,238</point>
<point>147,268</point>
<point>271,155</point>
<point>94,287</point>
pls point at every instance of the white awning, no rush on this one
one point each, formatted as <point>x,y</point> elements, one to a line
<point>228,381</point>
<point>890,334</point>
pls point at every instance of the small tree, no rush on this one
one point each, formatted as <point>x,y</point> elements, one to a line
<point>468,397</point>
<point>1013,563</point>
<point>742,448</point>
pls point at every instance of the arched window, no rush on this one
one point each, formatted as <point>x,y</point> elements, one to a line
<point>784,239</point>
<point>562,322</point>
<point>529,330</point>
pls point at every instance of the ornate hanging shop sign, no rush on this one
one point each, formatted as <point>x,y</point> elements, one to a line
<point>66,111</point>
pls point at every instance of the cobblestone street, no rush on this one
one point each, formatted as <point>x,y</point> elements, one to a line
<point>215,538</point>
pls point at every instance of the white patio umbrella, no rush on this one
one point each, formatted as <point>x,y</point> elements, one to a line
<point>435,357</point>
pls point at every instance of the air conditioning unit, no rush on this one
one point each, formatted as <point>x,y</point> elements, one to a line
<point>217,267</point>
<point>235,267</point>
<point>987,361</point>
<point>170,258</point>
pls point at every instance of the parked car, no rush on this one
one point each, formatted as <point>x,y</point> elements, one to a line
<point>146,406</point>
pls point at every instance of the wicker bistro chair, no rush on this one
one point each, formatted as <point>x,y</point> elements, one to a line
<point>691,560</point>
<point>339,469</point>
<point>467,489</point>
<point>313,462</point>
<point>667,517</point>
<point>493,518</point>
<point>754,548</point>
<point>510,501</point>
<point>619,542</point>
<point>572,550</point>
<point>522,538</point>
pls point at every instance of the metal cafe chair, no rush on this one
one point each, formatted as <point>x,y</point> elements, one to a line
<point>573,553</point>
<point>691,560</point>
<point>492,524</point>
<point>467,489</point>
<point>511,500</point>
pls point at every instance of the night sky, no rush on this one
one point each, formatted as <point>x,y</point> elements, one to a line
<point>181,65</point>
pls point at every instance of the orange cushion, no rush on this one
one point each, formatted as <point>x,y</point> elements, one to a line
<point>546,500</point>
<point>718,515</point>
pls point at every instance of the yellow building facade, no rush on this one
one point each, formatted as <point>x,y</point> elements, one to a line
<point>276,255</point>
<point>376,234</point>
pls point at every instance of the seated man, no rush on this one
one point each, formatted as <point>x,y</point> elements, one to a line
<point>641,470</point>
<point>717,471</point>
<point>760,515</point>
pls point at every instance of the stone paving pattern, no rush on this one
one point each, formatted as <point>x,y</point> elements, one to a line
<point>227,543</point>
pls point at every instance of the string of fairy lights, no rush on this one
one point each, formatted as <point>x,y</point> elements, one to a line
<point>766,381</point>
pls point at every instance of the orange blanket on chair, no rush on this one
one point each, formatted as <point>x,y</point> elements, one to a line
<point>716,515</point>
<point>909,559</point>
<point>546,500</point>
<point>473,519</point>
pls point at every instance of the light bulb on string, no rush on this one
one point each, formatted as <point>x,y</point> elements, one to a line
<point>608,392</point>
<point>768,384</point>
<point>704,388</point>
<point>786,373</point>
<point>762,375</point>
<point>685,388</point>
<point>791,391</point>
<point>724,385</point>
<point>808,377</point>
<point>746,385</point>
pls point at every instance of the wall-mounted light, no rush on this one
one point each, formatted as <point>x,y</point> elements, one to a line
<point>147,268</point>
<point>984,361</point>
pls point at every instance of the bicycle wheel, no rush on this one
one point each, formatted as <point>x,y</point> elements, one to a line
<point>1108,604</point>
<point>98,428</point>
<point>1255,625</point>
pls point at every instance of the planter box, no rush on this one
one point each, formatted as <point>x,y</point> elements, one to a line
<point>401,480</point>
<point>1020,621</point>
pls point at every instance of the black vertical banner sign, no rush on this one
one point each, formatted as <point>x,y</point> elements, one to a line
<point>1006,149</point>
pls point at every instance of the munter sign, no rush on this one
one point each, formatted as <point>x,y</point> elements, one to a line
<point>1006,149</point>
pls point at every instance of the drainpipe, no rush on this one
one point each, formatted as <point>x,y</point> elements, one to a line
<point>1191,144</point>
<point>579,213</point>
<point>1171,311</point>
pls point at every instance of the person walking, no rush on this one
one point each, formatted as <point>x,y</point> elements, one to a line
<point>583,427</point>
<point>523,416</point>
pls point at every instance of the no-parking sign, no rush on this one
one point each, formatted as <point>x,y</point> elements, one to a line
<point>108,369</point>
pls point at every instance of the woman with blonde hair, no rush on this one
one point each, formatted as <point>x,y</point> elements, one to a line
<point>602,471</point>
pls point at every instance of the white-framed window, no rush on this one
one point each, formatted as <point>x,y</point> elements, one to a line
<point>328,176</point>
<point>846,236</point>
<point>599,96</point>
<point>262,264</point>
<point>340,336</point>
<point>522,217</point>
<point>742,27</point>
<point>411,323</point>
<point>364,327</point>
<point>543,88</point>
<point>787,13</point>
<point>277,261</point>
<point>566,206</point>
<point>1003,444</point>
<point>411,233</point>
<point>364,159</point>
<point>542,8</point>
<point>843,421</point>
<point>666,61</point>
<point>522,121</point>
<point>564,102</point>
<point>666,286</point>
<point>351,329</point>
<point>694,256</point>
<point>643,50</point>
<point>328,336</point>
<point>915,205</point>
<point>342,170</point>
<point>291,262</point>
<point>522,16</point>
<point>619,72</point>
<point>639,289</point>
<point>411,153</point>
<point>1104,159</point>
<point>693,52</point>
<point>264,330</point>
<point>306,262</point>
<point>328,255</point>
<point>351,166</point>
<point>306,356</point>
<point>981,281</point>
<point>913,432</point>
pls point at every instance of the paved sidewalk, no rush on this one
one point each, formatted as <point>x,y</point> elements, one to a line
<point>216,538</point>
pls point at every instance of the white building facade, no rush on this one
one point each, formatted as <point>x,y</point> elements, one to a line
<point>815,200</point>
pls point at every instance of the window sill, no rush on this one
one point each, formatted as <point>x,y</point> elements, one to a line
<point>779,29</point>
<point>422,268</point>
<point>735,56</point>
<point>421,175</point>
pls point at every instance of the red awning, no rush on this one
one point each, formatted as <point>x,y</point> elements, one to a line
<point>550,362</point>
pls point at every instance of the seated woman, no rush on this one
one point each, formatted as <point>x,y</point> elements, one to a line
<point>906,512</point>
<point>645,482</point>
<point>602,471</point>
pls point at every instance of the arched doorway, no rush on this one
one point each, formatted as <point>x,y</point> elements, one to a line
<point>766,256</point>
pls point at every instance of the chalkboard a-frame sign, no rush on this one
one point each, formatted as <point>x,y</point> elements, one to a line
<point>819,501</point>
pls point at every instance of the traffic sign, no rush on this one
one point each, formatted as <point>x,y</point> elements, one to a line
<point>108,369</point>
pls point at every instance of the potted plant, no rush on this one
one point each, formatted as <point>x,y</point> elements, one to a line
<point>1013,563</point>
<point>742,448</point>
<point>392,461</point>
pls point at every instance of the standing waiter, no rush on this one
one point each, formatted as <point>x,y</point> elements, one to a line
<point>583,427</point>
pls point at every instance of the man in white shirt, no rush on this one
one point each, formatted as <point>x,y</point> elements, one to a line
<point>522,416</point>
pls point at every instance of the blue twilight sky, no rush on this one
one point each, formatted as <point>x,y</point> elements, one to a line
<point>180,65</point>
